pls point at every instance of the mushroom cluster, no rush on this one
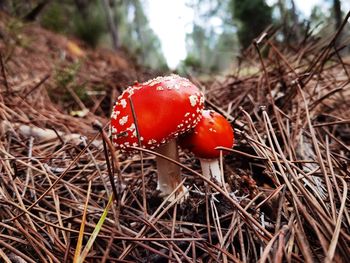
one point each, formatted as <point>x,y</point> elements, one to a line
<point>153,114</point>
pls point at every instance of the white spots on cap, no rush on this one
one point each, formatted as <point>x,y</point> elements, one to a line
<point>148,82</point>
<point>154,81</point>
<point>115,114</point>
<point>123,120</point>
<point>195,122</point>
<point>212,130</point>
<point>172,81</point>
<point>113,130</point>
<point>123,103</point>
<point>152,141</point>
<point>191,114</point>
<point>193,100</point>
<point>160,79</point>
<point>132,127</point>
<point>173,86</point>
<point>190,119</point>
<point>130,90</point>
<point>201,100</point>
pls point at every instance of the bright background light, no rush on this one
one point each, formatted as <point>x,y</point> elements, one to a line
<point>172,19</point>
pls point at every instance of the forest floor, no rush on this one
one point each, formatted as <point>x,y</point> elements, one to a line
<point>287,177</point>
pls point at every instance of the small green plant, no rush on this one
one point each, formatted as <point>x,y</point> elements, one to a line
<point>54,17</point>
<point>91,25</point>
<point>14,29</point>
<point>67,75</point>
<point>67,86</point>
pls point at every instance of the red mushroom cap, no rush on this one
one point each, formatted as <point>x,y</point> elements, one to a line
<point>164,107</point>
<point>213,130</point>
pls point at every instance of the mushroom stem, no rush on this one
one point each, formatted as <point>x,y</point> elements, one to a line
<point>211,168</point>
<point>169,174</point>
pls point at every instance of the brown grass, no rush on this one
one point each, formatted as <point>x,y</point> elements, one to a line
<point>286,198</point>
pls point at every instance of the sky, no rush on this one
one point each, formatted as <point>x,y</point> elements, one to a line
<point>172,19</point>
<point>171,27</point>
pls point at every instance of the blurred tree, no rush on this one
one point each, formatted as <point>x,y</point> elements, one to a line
<point>212,45</point>
<point>337,13</point>
<point>31,16</point>
<point>115,23</point>
<point>253,17</point>
<point>291,28</point>
<point>338,20</point>
<point>53,18</point>
<point>112,25</point>
<point>89,24</point>
<point>327,23</point>
<point>84,19</point>
<point>137,36</point>
<point>320,22</point>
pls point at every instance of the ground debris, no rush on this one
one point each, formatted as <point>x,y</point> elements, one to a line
<point>287,178</point>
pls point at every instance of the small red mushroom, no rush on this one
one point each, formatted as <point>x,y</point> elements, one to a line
<point>212,131</point>
<point>165,107</point>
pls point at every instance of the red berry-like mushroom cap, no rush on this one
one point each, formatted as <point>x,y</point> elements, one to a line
<point>212,131</point>
<point>164,107</point>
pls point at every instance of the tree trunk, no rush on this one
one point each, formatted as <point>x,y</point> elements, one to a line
<point>82,7</point>
<point>32,15</point>
<point>139,24</point>
<point>112,26</point>
<point>284,19</point>
<point>296,25</point>
<point>338,20</point>
<point>337,13</point>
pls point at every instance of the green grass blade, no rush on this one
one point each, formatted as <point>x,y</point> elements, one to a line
<point>95,232</point>
<point>82,226</point>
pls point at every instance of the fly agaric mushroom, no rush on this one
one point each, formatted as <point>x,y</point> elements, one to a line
<point>212,131</point>
<point>164,107</point>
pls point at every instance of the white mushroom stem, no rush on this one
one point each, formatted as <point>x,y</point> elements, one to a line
<point>211,169</point>
<point>169,174</point>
